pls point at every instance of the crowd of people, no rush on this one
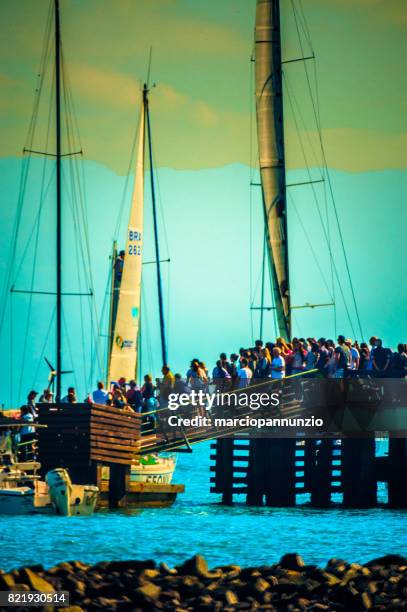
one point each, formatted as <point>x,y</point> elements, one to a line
<point>270,360</point>
<point>274,360</point>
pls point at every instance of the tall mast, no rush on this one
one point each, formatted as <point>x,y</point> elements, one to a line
<point>270,132</point>
<point>58,202</point>
<point>157,247</point>
<point>113,306</point>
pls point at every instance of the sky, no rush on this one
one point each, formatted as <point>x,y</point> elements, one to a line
<point>201,64</point>
<point>205,152</point>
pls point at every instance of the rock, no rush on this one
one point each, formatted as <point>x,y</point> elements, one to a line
<point>79,565</point>
<point>62,569</point>
<point>149,574</point>
<point>388,560</point>
<point>230,572</point>
<point>6,581</point>
<point>122,566</point>
<point>35,581</point>
<point>21,587</point>
<point>231,598</point>
<point>165,569</point>
<point>292,561</point>
<point>107,603</point>
<point>197,566</point>
<point>337,566</point>
<point>261,585</point>
<point>149,591</point>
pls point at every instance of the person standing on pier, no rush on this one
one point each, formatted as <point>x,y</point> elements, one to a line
<point>244,374</point>
<point>167,383</point>
<point>31,403</point>
<point>263,366</point>
<point>398,366</point>
<point>70,398</point>
<point>299,359</point>
<point>100,395</point>
<point>342,358</point>
<point>381,360</point>
<point>277,365</point>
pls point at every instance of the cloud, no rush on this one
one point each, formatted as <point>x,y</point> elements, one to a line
<point>353,150</point>
<point>104,87</point>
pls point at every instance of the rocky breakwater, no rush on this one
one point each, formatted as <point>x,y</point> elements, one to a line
<point>380,584</point>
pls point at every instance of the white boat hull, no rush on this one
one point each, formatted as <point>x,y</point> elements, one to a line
<point>23,500</point>
<point>156,469</point>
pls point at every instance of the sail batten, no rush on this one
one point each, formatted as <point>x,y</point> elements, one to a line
<point>270,135</point>
<point>124,350</point>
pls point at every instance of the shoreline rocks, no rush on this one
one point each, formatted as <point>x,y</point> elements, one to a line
<point>380,584</point>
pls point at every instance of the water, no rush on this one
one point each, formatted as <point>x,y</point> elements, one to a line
<point>197,523</point>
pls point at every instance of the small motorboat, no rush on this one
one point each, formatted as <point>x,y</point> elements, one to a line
<point>158,469</point>
<point>69,499</point>
<point>22,492</point>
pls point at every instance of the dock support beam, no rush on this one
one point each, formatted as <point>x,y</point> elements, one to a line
<point>397,472</point>
<point>358,472</point>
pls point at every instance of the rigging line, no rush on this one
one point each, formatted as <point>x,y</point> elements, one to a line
<point>77,225</point>
<point>256,286</point>
<point>251,111</point>
<point>25,167</point>
<point>30,237</point>
<point>146,325</point>
<point>43,64</point>
<point>68,342</point>
<point>304,26</point>
<point>295,101</point>
<point>77,249</point>
<point>297,111</point>
<point>272,296</point>
<point>310,246</point>
<point>168,308</point>
<point>34,261</point>
<point>126,183</point>
<point>50,326</point>
<point>300,334</point>
<point>319,213</point>
<point>330,185</point>
<point>11,350</point>
<point>80,196</point>
<point>160,206</point>
<point>15,234</point>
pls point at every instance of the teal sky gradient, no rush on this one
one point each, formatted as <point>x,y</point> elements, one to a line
<point>207,283</point>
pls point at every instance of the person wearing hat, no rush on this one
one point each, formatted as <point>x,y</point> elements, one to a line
<point>31,403</point>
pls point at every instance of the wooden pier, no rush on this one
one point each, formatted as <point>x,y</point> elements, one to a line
<point>276,472</point>
<point>98,445</point>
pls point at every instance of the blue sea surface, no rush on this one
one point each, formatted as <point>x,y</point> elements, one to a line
<point>197,523</point>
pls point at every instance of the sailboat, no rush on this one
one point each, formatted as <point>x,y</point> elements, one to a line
<point>125,304</point>
<point>269,81</point>
<point>97,444</point>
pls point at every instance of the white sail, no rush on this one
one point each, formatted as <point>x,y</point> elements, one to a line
<point>123,356</point>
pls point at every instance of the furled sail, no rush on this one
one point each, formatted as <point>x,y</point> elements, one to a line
<point>270,134</point>
<point>123,356</point>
